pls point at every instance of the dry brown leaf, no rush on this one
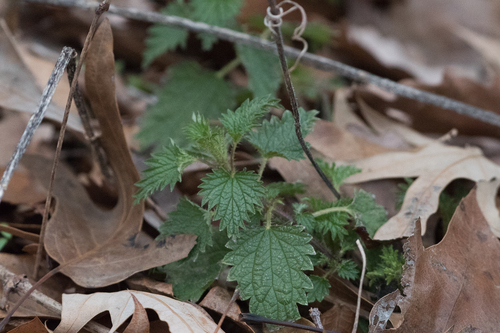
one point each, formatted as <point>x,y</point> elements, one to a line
<point>140,321</point>
<point>488,47</point>
<point>450,286</point>
<point>436,165</point>
<point>301,321</point>
<point>18,88</point>
<point>180,316</point>
<point>218,299</point>
<point>96,247</point>
<point>144,283</point>
<point>34,326</point>
<point>339,318</point>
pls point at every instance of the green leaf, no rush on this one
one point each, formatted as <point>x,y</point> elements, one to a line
<point>189,218</point>
<point>189,89</point>
<point>268,265</point>
<point>263,69</point>
<point>367,212</point>
<point>390,268</point>
<point>337,173</point>
<point>304,218</point>
<point>210,142</point>
<point>284,189</point>
<point>165,168</point>
<point>162,38</point>
<point>277,137</point>
<point>241,121</point>
<point>321,288</point>
<point>347,269</point>
<point>190,277</point>
<point>234,195</point>
<point>335,220</point>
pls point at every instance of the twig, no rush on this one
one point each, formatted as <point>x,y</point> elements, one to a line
<point>293,100</point>
<point>43,300</point>
<point>98,12</point>
<point>250,318</point>
<point>358,306</point>
<point>233,299</point>
<point>37,117</point>
<point>308,59</point>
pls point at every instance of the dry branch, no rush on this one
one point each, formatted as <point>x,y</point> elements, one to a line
<point>308,59</point>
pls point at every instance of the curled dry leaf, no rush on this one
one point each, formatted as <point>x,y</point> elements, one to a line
<point>451,286</point>
<point>436,165</point>
<point>95,247</point>
<point>140,321</point>
<point>339,318</point>
<point>180,316</point>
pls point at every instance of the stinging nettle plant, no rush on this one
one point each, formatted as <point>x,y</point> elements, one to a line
<point>268,251</point>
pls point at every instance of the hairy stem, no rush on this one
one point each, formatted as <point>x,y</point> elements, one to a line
<point>231,157</point>
<point>332,210</point>
<point>228,67</point>
<point>262,167</point>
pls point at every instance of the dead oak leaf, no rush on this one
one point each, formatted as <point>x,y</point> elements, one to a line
<point>452,286</point>
<point>435,165</point>
<point>96,247</point>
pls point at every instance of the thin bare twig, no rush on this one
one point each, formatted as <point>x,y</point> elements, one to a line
<point>98,12</point>
<point>358,306</point>
<point>37,117</point>
<point>308,59</point>
<point>233,299</point>
<point>250,318</point>
<point>293,100</point>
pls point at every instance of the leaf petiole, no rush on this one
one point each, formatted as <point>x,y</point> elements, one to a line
<point>332,210</point>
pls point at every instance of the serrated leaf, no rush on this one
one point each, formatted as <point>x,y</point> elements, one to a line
<point>236,196</point>
<point>263,69</point>
<point>189,89</point>
<point>337,173</point>
<point>210,142</point>
<point>277,137</point>
<point>189,218</point>
<point>335,220</point>
<point>162,38</point>
<point>284,189</point>
<point>241,121</point>
<point>367,212</point>
<point>320,289</point>
<point>165,168</point>
<point>190,277</point>
<point>304,218</point>
<point>390,266</point>
<point>347,269</point>
<point>268,265</point>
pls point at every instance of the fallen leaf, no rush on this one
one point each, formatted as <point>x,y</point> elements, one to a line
<point>339,318</point>
<point>18,88</point>
<point>96,247</point>
<point>34,326</point>
<point>144,283</point>
<point>301,321</point>
<point>451,286</point>
<point>218,299</point>
<point>488,47</point>
<point>180,316</point>
<point>140,321</point>
<point>436,165</point>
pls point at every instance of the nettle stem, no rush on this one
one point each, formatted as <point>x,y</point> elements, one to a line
<point>228,67</point>
<point>262,167</point>
<point>269,214</point>
<point>332,210</point>
<point>231,158</point>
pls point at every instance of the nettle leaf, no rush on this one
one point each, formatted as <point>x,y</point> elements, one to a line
<point>277,137</point>
<point>389,268</point>
<point>236,196</point>
<point>284,189</point>
<point>214,12</point>
<point>304,218</point>
<point>192,275</point>
<point>165,168</point>
<point>334,221</point>
<point>337,173</point>
<point>268,265</point>
<point>241,121</point>
<point>162,38</point>
<point>347,269</point>
<point>367,212</point>
<point>263,69</point>
<point>189,218</point>
<point>210,142</point>
<point>320,289</point>
<point>189,89</point>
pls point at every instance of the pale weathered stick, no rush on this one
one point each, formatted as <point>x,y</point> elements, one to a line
<point>358,306</point>
<point>308,59</point>
<point>37,117</point>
